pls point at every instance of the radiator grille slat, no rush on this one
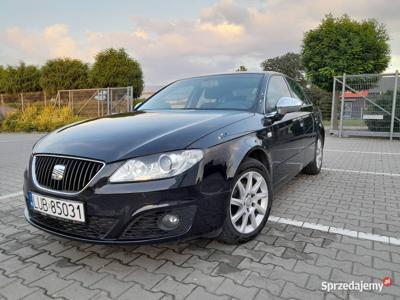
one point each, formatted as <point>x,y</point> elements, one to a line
<point>77,173</point>
<point>70,178</point>
<point>67,174</point>
<point>41,167</point>
<point>46,166</point>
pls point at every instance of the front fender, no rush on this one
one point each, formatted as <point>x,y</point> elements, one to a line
<point>222,161</point>
<point>239,149</point>
<point>227,147</point>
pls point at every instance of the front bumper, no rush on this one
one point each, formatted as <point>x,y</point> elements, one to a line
<point>129,213</point>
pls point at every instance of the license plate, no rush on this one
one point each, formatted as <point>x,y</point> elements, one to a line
<point>70,210</point>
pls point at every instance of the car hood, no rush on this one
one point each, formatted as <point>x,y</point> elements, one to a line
<point>124,136</point>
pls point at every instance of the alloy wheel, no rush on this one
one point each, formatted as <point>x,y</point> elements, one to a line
<point>249,202</point>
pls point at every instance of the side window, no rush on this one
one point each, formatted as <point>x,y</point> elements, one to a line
<point>277,88</point>
<point>297,91</point>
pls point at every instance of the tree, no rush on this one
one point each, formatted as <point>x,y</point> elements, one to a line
<point>342,45</point>
<point>288,64</point>
<point>114,67</point>
<point>241,68</point>
<point>64,73</point>
<point>21,78</point>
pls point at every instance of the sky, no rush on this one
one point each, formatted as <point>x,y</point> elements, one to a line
<point>173,39</point>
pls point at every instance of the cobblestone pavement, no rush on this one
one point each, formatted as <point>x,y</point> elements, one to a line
<point>284,262</point>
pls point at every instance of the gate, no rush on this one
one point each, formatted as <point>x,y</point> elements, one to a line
<point>366,105</point>
<point>96,102</point>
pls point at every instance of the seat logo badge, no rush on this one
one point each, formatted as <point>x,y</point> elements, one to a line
<point>58,172</point>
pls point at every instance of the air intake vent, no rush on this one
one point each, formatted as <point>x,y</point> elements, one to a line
<point>71,176</point>
<point>94,228</point>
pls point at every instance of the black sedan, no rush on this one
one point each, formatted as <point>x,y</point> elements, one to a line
<point>201,157</point>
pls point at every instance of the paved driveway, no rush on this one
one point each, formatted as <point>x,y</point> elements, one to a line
<point>340,226</point>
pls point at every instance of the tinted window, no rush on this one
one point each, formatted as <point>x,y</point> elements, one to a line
<point>277,88</point>
<point>234,91</point>
<point>296,90</point>
<point>177,97</point>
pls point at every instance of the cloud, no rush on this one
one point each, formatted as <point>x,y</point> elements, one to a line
<point>58,42</point>
<point>52,41</point>
<point>223,36</point>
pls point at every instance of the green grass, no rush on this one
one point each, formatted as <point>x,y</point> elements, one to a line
<point>346,122</point>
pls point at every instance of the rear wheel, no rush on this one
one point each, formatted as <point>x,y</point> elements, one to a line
<point>250,203</point>
<point>314,167</point>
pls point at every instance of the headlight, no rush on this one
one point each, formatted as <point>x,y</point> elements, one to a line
<point>157,166</point>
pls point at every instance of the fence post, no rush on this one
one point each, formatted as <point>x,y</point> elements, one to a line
<point>22,101</point>
<point>72,102</point>
<point>108,101</point>
<point>2,100</point>
<point>111,101</point>
<point>333,110</point>
<point>98,106</point>
<point>342,105</point>
<point>57,97</point>
<point>128,97</point>
<point>396,80</point>
<point>45,98</point>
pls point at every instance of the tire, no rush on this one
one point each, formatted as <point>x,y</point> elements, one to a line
<point>315,166</point>
<point>253,204</point>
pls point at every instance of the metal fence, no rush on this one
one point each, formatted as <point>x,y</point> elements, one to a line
<point>21,100</point>
<point>84,102</point>
<point>366,105</point>
<point>97,102</point>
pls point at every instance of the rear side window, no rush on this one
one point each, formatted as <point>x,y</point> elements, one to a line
<point>277,88</point>
<point>297,91</point>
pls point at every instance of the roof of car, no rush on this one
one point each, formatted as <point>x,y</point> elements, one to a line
<point>268,73</point>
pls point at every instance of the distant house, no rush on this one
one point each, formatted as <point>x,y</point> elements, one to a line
<point>354,104</point>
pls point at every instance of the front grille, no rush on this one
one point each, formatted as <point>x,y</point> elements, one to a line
<point>77,172</point>
<point>146,226</point>
<point>94,228</point>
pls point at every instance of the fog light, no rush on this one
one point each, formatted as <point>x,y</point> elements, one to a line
<point>169,222</point>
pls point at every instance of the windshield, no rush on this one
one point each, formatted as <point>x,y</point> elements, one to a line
<point>234,91</point>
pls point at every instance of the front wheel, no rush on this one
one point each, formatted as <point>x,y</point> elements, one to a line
<point>249,205</point>
<point>314,167</point>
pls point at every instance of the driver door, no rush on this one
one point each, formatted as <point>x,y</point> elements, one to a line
<point>285,143</point>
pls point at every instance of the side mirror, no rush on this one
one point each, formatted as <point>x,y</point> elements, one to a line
<point>286,105</point>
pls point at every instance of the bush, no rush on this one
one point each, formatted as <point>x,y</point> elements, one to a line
<point>385,101</point>
<point>320,98</point>
<point>39,118</point>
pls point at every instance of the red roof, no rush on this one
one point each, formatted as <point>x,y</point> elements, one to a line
<point>359,94</point>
